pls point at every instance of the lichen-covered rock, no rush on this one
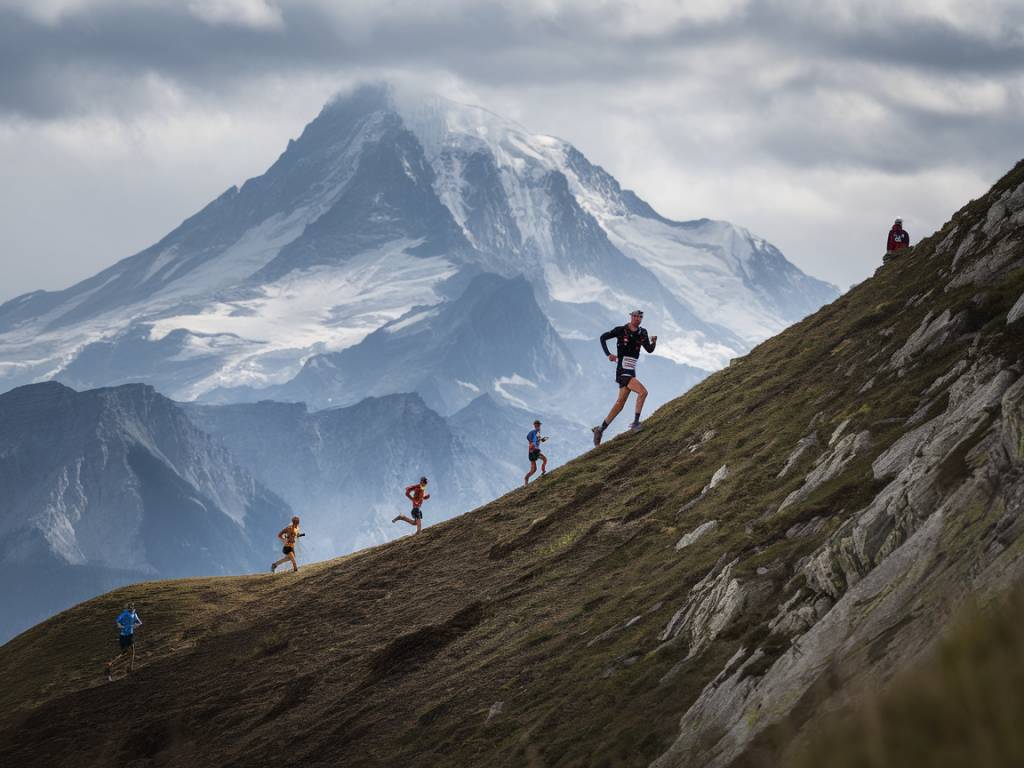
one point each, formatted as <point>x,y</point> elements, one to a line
<point>696,533</point>
<point>733,709</point>
<point>830,465</point>
<point>711,605</point>
<point>720,474</point>
<point>1016,311</point>
<point>838,432</point>
<point>996,241</point>
<point>804,444</point>
<point>1012,407</point>
<point>933,331</point>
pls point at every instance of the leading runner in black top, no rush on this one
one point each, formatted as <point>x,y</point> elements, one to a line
<point>629,339</point>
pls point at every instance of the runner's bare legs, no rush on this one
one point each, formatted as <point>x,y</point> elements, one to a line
<point>533,468</point>
<point>619,403</point>
<point>410,521</point>
<point>290,556</point>
<point>641,396</point>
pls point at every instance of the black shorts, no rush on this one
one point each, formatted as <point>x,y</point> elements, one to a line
<point>417,514</point>
<point>534,455</point>
<point>287,549</point>
<point>126,641</point>
<point>622,378</point>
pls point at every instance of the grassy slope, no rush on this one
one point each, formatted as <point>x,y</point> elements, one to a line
<point>395,656</point>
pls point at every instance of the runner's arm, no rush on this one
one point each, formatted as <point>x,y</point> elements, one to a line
<point>605,337</point>
<point>408,493</point>
<point>648,342</point>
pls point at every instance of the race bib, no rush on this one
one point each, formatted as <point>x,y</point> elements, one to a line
<point>629,363</point>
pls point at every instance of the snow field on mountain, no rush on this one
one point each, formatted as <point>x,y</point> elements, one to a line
<point>325,309</point>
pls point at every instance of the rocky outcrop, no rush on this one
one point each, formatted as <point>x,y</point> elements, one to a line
<point>695,534</point>
<point>830,465</point>
<point>888,577</point>
<point>711,605</point>
<point>933,331</point>
<point>803,446</point>
<point>720,474</point>
<point>1016,311</point>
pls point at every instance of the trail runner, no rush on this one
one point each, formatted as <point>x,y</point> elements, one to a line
<point>288,535</point>
<point>629,338</point>
<point>534,439</point>
<point>416,493</point>
<point>126,622</point>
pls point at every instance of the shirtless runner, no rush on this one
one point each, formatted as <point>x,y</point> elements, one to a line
<point>288,536</point>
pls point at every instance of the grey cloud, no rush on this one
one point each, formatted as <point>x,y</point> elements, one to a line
<point>482,43</point>
<point>572,71</point>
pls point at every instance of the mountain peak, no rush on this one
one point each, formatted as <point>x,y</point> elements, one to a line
<point>392,199</point>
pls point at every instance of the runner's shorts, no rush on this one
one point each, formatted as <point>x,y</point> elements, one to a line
<point>625,370</point>
<point>416,513</point>
<point>127,641</point>
<point>287,550</point>
<point>534,455</point>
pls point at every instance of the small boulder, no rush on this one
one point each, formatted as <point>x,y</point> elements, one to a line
<point>695,534</point>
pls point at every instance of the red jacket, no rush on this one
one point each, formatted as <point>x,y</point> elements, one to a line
<point>416,495</point>
<point>898,239</point>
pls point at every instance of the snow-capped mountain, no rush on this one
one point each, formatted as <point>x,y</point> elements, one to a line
<point>391,202</point>
<point>112,486</point>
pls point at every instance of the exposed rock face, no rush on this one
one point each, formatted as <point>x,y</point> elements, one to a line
<point>830,465</point>
<point>720,474</point>
<point>1016,311</point>
<point>711,605</point>
<point>806,444</point>
<point>930,334</point>
<point>695,534</point>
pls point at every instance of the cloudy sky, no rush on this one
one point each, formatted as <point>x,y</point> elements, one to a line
<point>811,122</point>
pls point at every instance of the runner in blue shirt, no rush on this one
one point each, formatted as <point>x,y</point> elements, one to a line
<point>127,621</point>
<point>534,440</point>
